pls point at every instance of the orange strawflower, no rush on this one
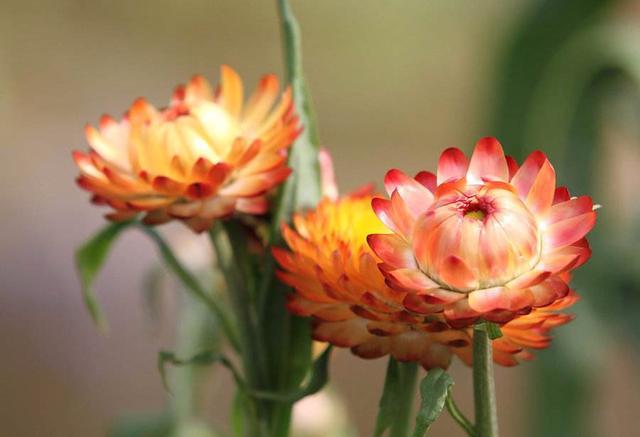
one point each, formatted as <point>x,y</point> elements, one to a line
<point>337,282</point>
<point>482,239</point>
<point>205,156</point>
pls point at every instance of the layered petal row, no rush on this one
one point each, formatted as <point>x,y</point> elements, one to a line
<point>205,156</point>
<point>337,282</point>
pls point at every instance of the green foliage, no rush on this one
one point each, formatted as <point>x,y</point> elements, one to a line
<point>199,359</point>
<point>91,256</point>
<point>89,260</point>
<point>397,399</point>
<point>317,380</point>
<point>434,390</point>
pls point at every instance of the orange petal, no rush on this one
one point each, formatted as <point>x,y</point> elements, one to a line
<point>540,197</point>
<point>231,91</point>
<point>257,184</point>
<point>526,175</point>
<point>253,205</point>
<point>455,273</point>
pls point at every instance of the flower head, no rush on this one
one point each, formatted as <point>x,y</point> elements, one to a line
<point>484,238</point>
<point>205,156</point>
<point>337,282</point>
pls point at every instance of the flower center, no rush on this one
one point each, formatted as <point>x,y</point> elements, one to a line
<point>475,214</point>
<point>475,208</point>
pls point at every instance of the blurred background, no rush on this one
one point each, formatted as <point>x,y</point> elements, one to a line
<point>394,82</point>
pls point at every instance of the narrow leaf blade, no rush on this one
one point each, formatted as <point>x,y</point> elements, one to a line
<point>89,260</point>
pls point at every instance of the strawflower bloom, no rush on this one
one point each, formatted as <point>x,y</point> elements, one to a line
<point>484,238</point>
<point>205,156</point>
<point>336,281</point>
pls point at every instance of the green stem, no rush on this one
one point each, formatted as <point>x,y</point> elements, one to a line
<point>483,385</point>
<point>193,286</point>
<point>230,245</point>
<point>409,378</point>
<point>458,415</point>
<point>396,404</point>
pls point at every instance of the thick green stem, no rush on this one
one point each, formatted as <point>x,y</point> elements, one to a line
<point>408,379</point>
<point>396,404</point>
<point>229,242</point>
<point>483,385</point>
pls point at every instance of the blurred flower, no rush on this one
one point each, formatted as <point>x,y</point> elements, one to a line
<point>338,283</point>
<point>482,239</point>
<point>205,156</point>
<point>321,415</point>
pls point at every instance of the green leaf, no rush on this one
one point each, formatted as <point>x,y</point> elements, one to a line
<point>199,359</point>
<point>164,357</point>
<point>397,398</point>
<point>434,389</point>
<point>318,379</point>
<point>89,260</point>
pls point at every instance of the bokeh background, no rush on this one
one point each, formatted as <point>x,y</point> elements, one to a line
<point>394,82</point>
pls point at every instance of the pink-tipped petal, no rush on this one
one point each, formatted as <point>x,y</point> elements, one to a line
<point>428,180</point>
<point>455,273</point>
<point>566,232</point>
<point>561,195</point>
<point>500,298</point>
<point>526,175</point>
<point>392,250</point>
<point>329,185</point>
<point>540,196</point>
<point>413,279</point>
<point>570,208</point>
<point>452,165</point>
<point>488,162</point>
<point>513,166</point>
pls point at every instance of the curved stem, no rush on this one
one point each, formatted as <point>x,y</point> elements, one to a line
<point>458,415</point>
<point>193,286</point>
<point>483,385</point>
